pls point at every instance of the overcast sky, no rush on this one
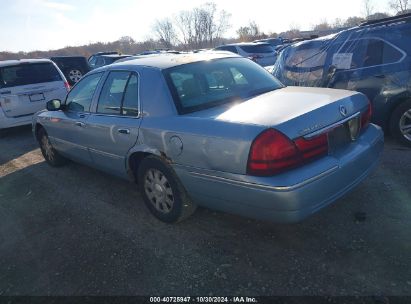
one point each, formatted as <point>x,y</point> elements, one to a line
<point>27,25</point>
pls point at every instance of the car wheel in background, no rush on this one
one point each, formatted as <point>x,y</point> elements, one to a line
<point>162,192</point>
<point>74,75</point>
<point>50,154</point>
<point>400,123</point>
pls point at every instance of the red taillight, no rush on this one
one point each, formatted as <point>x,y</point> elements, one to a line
<point>313,147</point>
<point>67,85</point>
<point>366,116</point>
<point>272,152</point>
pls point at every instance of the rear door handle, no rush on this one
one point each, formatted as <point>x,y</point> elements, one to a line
<point>124,131</point>
<point>80,124</point>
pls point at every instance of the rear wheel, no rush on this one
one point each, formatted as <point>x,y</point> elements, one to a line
<point>400,123</point>
<point>50,154</point>
<point>74,75</point>
<point>163,193</point>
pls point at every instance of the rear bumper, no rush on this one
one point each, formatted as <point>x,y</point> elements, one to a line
<point>9,122</point>
<point>292,196</point>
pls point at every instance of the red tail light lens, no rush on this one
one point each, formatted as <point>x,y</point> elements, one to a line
<point>314,147</point>
<point>67,85</point>
<point>272,152</point>
<point>366,116</point>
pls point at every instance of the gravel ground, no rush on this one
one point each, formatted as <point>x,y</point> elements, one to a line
<point>77,231</point>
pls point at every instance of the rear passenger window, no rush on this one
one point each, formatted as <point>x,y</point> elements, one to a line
<point>79,98</point>
<point>119,95</point>
<point>370,52</point>
<point>130,102</point>
<point>112,93</point>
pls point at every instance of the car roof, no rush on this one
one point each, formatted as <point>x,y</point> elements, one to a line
<point>115,56</point>
<point>67,57</point>
<point>246,44</point>
<point>23,61</point>
<point>169,60</point>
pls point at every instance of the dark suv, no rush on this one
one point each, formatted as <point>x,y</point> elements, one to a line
<point>373,58</point>
<point>73,67</point>
<point>104,58</point>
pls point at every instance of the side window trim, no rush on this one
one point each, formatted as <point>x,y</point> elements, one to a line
<point>94,106</point>
<point>378,65</point>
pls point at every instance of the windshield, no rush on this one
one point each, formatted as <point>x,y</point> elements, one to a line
<point>201,85</point>
<point>30,73</point>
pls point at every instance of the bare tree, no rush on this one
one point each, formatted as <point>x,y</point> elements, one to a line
<point>376,16</point>
<point>368,8</point>
<point>249,32</point>
<point>165,32</point>
<point>324,25</point>
<point>400,6</point>
<point>203,26</point>
<point>353,21</point>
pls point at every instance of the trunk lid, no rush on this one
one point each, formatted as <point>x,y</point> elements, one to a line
<point>295,111</point>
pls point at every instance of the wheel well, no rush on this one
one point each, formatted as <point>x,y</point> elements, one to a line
<point>134,162</point>
<point>37,130</point>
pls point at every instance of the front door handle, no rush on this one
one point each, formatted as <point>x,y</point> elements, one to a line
<point>124,131</point>
<point>80,124</point>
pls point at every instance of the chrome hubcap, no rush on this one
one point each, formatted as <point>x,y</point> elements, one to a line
<point>405,124</point>
<point>158,190</point>
<point>75,75</point>
<point>47,148</point>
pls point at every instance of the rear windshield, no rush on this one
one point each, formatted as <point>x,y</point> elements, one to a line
<point>258,48</point>
<point>201,85</point>
<point>29,73</point>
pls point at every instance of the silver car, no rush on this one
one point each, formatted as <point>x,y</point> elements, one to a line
<point>215,130</point>
<point>262,53</point>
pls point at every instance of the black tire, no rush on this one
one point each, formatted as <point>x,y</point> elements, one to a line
<point>179,206</point>
<point>52,157</point>
<point>400,116</point>
<point>74,75</point>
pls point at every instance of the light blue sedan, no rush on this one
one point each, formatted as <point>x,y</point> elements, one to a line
<point>216,130</point>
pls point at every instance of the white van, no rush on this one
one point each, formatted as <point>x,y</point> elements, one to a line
<point>25,87</point>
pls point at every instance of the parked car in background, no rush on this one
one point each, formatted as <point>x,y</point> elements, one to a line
<point>373,58</point>
<point>25,87</point>
<point>104,58</point>
<point>73,67</point>
<point>262,53</point>
<point>274,42</point>
<point>217,130</point>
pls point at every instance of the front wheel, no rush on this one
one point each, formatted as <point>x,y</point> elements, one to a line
<point>163,193</point>
<point>50,154</point>
<point>400,123</point>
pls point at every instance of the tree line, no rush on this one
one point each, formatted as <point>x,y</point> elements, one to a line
<point>205,27</point>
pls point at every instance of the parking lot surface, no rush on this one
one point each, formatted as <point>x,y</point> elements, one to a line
<point>77,231</point>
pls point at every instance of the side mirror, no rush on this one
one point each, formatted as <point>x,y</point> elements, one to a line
<point>54,105</point>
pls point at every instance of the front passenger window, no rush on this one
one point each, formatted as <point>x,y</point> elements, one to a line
<point>80,97</point>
